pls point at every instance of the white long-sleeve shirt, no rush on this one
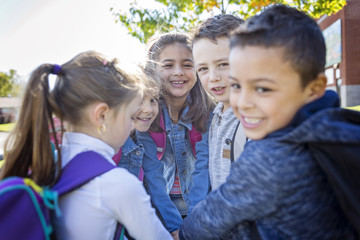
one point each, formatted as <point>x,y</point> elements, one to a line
<point>93,210</point>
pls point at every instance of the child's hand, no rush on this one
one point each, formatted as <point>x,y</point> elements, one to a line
<point>175,235</point>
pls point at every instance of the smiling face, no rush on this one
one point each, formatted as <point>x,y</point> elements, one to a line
<point>266,92</point>
<point>176,70</point>
<point>147,113</point>
<point>212,65</point>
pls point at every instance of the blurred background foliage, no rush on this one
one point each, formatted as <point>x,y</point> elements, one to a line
<point>184,15</point>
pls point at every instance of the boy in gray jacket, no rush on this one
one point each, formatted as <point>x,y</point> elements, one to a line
<point>211,49</point>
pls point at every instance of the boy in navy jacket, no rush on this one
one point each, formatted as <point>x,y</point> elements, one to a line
<point>278,92</point>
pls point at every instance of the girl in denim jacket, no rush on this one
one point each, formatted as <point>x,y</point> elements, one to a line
<point>176,173</point>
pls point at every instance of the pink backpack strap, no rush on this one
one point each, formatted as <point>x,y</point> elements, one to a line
<point>160,138</point>
<point>141,174</point>
<point>195,137</point>
<point>117,157</point>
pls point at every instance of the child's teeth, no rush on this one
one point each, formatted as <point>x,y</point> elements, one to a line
<point>252,120</point>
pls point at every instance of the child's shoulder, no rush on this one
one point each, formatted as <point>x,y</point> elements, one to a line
<point>119,177</point>
<point>268,151</point>
<point>274,160</point>
<point>329,125</point>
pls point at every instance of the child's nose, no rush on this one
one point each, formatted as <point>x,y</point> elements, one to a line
<point>146,107</point>
<point>244,100</point>
<point>178,71</point>
<point>214,76</point>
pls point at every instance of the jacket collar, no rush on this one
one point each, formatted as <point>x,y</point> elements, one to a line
<point>168,122</point>
<point>130,145</point>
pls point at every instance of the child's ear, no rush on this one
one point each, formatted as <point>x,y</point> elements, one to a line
<point>316,88</point>
<point>100,113</point>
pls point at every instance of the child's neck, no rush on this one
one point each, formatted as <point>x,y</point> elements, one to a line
<point>174,107</point>
<point>225,107</point>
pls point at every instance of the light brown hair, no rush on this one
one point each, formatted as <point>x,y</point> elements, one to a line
<point>86,78</point>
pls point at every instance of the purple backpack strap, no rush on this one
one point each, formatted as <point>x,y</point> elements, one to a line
<point>90,164</point>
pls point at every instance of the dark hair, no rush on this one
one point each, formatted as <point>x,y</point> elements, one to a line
<point>200,104</point>
<point>87,78</point>
<point>288,28</point>
<point>215,27</point>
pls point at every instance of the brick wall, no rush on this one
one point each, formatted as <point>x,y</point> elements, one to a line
<point>349,88</point>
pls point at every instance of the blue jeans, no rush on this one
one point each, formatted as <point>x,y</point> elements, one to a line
<point>180,204</point>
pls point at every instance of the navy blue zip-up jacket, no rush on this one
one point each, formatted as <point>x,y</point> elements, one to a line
<point>278,185</point>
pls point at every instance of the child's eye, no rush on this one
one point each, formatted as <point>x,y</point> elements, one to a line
<point>188,64</point>
<point>154,100</point>
<point>235,86</point>
<point>262,89</point>
<point>167,65</point>
<point>225,64</point>
<point>202,69</point>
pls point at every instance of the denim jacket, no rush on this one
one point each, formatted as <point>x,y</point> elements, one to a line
<point>132,153</point>
<point>160,174</point>
<point>277,183</point>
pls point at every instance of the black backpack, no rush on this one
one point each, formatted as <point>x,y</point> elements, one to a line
<point>341,165</point>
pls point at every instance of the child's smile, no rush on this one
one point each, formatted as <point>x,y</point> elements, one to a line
<point>250,122</point>
<point>218,90</point>
<point>177,83</point>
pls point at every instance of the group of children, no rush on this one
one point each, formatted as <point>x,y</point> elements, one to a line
<point>241,169</point>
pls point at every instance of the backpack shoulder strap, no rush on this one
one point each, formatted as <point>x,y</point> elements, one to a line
<point>90,164</point>
<point>160,138</point>
<point>117,157</point>
<point>195,136</point>
<point>232,144</point>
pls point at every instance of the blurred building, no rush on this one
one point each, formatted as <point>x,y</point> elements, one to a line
<point>342,35</point>
<point>9,109</point>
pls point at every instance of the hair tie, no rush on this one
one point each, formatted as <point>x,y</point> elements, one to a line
<point>56,69</point>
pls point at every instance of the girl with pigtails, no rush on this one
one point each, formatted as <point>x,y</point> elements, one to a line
<point>97,100</point>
